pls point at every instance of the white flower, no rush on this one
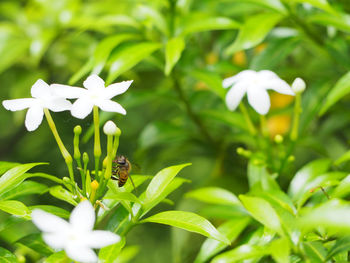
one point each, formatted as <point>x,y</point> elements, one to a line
<point>77,237</point>
<point>255,84</point>
<point>43,97</point>
<point>110,128</point>
<point>298,85</point>
<point>95,94</point>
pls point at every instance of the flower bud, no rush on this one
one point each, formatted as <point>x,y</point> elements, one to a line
<point>278,138</point>
<point>77,130</point>
<point>94,185</point>
<point>291,158</point>
<point>298,85</point>
<point>110,128</point>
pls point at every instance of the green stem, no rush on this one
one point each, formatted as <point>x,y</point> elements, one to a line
<point>263,126</point>
<point>97,145</point>
<point>247,118</point>
<point>67,157</point>
<point>297,111</point>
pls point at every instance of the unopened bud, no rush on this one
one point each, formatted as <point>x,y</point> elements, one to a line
<point>291,158</point>
<point>85,158</point>
<point>298,85</point>
<point>278,138</point>
<point>110,128</point>
<point>94,185</point>
<point>77,129</point>
<point>66,179</point>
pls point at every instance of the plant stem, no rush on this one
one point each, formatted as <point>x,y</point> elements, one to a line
<point>67,157</point>
<point>297,111</point>
<point>97,142</point>
<point>247,118</point>
<point>263,126</point>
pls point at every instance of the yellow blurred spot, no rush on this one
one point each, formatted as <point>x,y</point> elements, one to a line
<point>200,85</point>
<point>82,199</point>
<point>280,100</point>
<point>94,185</point>
<point>260,48</point>
<point>279,124</point>
<point>239,58</point>
<point>212,58</point>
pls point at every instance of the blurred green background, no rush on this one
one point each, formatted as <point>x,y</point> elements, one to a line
<point>175,113</point>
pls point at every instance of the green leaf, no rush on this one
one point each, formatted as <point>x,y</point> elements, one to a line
<point>315,251</point>
<point>6,256</point>
<point>233,119</point>
<point>321,4</point>
<point>305,175</point>
<point>212,79</point>
<point>15,208</point>
<point>125,196</point>
<point>188,221</point>
<point>263,212</point>
<point>4,166</point>
<point>259,178</point>
<point>214,195</point>
<point>160,182</point>
<point>110,253</point>
<point>280,250</point>
<point>341,245</point>
<point>344,158</point>
<point>35,242</point>
<point>341,21</point>
<point>239,254</point>
<point>341,88</point>
<point>60,193</point>
<point>275,5</point>
<point>15,176</point>
<point>52,210</point>
<point>232,229</point>
<point>127,254</point>
<point>343,189</point>
<point>201,22</point>
<point>58,257</point>
<point>253,32</point>
<point>128,57</point>
<point>25,188</point>
<point>173,50</point>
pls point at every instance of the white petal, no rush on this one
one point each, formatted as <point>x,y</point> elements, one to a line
<point>235,95</point>
<point>259,99</point>
<point>56,240</point>
<point>80,253</point>
<point>67,92</point>
<point>40,89</point>
<point>279,86</point>
<point>34,117</point>
<point>48,222</point>
<point>109,105</point>
<point>243,75</point>
<point>100,238</point>
<point>18,104</point>
<point>267,75</point>
<point>82,108</point>
<point>116,89</point>
<point>83,216</point>
<point>94,82</point>
<point>59,104</point>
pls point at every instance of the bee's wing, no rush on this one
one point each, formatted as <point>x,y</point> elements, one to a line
<point>132,183</point>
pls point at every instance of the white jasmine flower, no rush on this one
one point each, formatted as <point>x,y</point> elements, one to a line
<point>110,128</point>
<point>95,94</point>
<point>298,85</point>
<point>43,97</point>
<point>77,237</point>
<point>255,84</point>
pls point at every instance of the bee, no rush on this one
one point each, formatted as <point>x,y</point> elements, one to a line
<point>120,170</point>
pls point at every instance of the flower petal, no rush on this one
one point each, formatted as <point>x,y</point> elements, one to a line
<point>267,75</point>
<point>100,238</point>
<point>18,104</point>
<point>68,92</point>
<point>279,86</point>
<point>56,240</point>
<point>81,108</point>
<point>244,75</point>
<point>259,99</point>
<point>235,95</point>
<point>83,216</point>
<point>59,104</point>
<point>34,117</point>
<point>116,89</point>
<point>80,253</point>
<point>109,105</point>
<point>48,222</point>
<point>94,82</point>
<point>40,89</point>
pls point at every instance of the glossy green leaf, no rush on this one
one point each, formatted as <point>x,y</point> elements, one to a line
<point>213,195</point>
<point>223,212</point>
<point>239,254</point>
<point>15,176</point>
<point>110,253</point>
<point>35,242</point>
<point>321,4</point>
<point>263,212</point>
<point>305,175</point>
<point>213,80</point>
<point>15,208</point>
<point>188,221</point>
<point>125,196</point>
<point>340,21</point>
<point>128,57</point>
<point>253,32</point>
<point>58,257</point>
<point>341,88</point>
<point>341,245</point>
<point>60,193</point>
<point>52,210</point>
<point>4,166</point>
<point>127,254</point>
<point>275,5</point>
<point>259,178</point>
<point>25,188</point>
<point>315,251</point>
<point>232,229</point>
<point>343,189</point>
<point>280,250</point>
<point>173,50</point>
<point>6,256</point>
